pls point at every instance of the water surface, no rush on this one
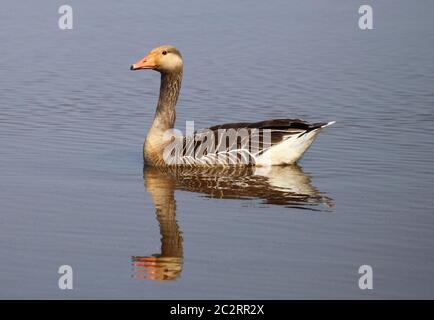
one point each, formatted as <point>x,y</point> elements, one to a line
<point>73,117</point>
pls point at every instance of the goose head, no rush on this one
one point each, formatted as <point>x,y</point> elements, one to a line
<point>164,59</point>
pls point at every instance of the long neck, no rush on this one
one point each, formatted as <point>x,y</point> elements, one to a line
<point>165,115</point>
<point>164,118</point>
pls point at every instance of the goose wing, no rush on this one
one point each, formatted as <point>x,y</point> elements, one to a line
<point>241,142</point>
<point>279,129</point>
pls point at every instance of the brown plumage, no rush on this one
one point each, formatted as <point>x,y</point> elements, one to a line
<point>269,142</point>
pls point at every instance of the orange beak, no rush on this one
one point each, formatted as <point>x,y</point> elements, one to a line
<point>147,62</point>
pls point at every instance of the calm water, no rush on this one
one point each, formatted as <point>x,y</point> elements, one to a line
<point>73,118</point>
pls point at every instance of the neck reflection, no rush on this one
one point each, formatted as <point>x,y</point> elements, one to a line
<point>166,265</point>
<point>282,186</point>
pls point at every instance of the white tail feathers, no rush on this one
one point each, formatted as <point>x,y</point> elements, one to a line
<point>328,124</point>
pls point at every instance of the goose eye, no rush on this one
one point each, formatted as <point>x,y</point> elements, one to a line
<point>164,52</point>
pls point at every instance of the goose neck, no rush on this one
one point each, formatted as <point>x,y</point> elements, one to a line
<point>169,92</point>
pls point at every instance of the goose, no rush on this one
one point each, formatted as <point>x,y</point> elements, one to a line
<point>264,143</point>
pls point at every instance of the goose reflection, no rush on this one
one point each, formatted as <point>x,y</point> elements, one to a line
<point>284,186</point>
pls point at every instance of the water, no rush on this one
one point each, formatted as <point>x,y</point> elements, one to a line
<point>73,118</point>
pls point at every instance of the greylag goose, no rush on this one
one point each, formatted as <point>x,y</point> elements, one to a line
<point>264,143</point>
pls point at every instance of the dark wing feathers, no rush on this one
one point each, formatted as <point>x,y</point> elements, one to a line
<point>280,129</point>
<point>277,124</point>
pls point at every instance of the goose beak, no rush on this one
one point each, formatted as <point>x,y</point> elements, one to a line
<point>147,62</point>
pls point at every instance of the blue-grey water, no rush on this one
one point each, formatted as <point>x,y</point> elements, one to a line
<point>73,118</point>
